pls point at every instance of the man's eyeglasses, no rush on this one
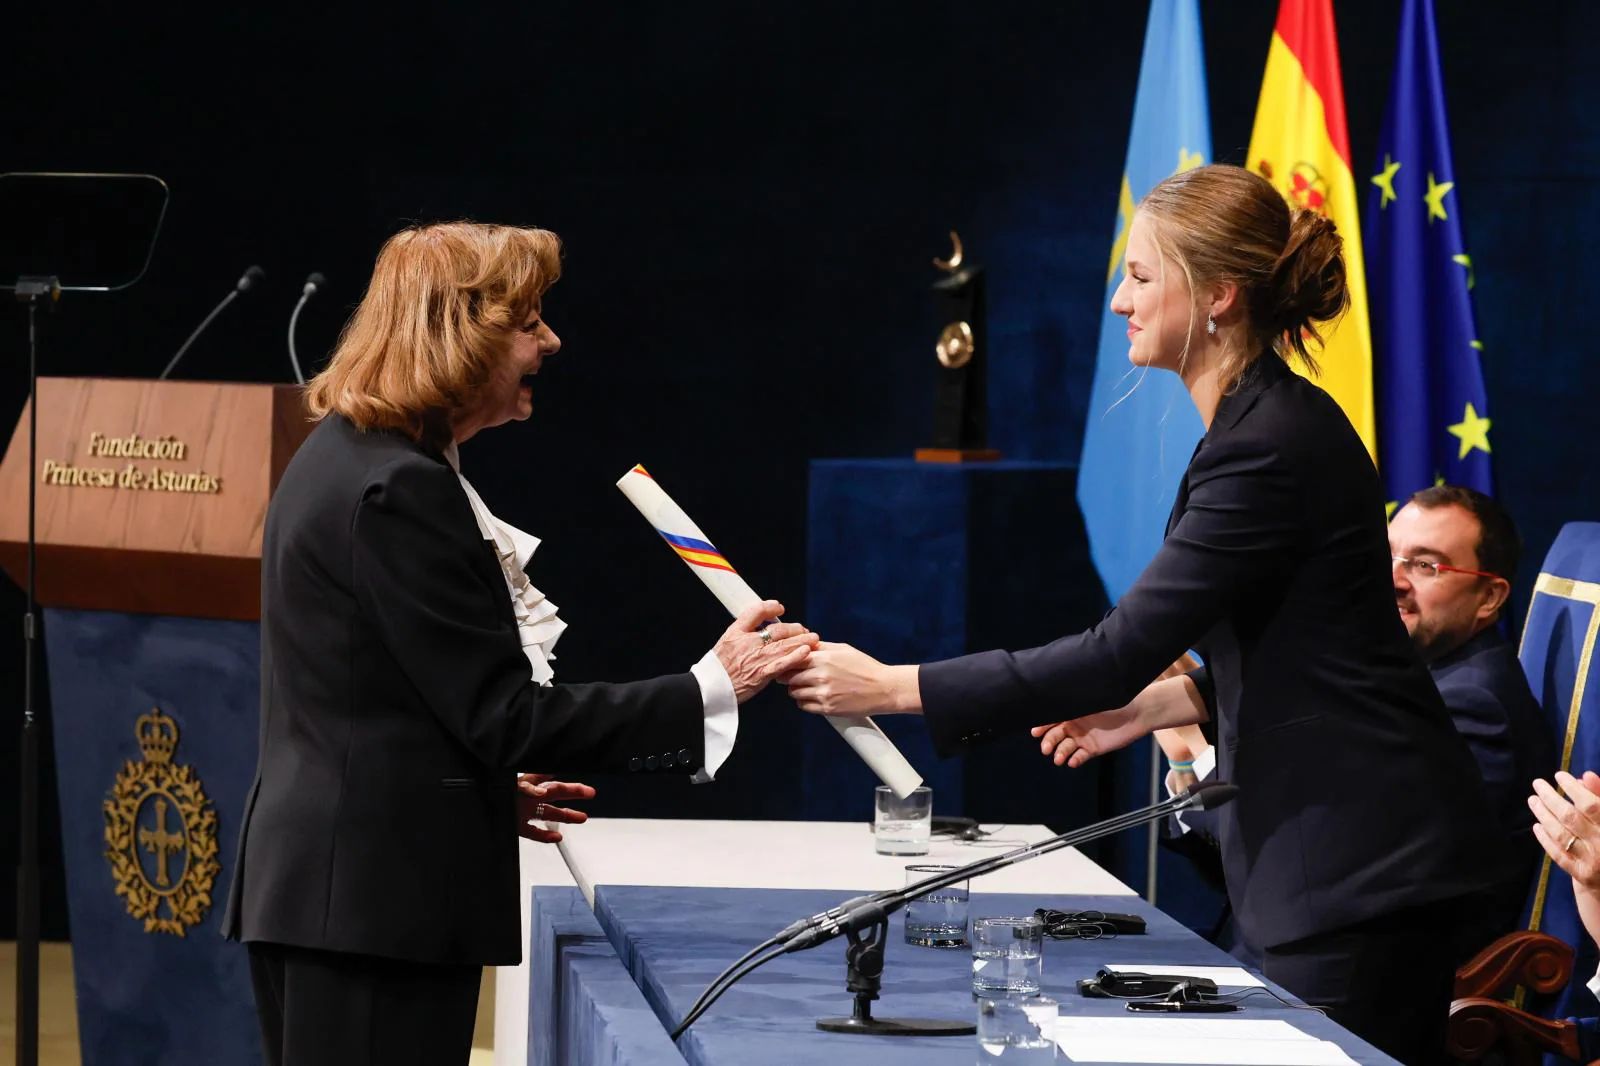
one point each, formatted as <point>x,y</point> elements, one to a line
<point>1427,570</point>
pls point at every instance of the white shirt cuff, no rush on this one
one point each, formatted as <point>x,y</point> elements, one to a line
<point>1594,985</point>
<point>1205,764</point>
<point>722,714</point>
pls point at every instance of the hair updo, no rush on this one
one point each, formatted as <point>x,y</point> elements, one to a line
<point>1222,223</point>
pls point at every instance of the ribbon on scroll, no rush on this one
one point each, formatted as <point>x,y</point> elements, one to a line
<point>731,590</point>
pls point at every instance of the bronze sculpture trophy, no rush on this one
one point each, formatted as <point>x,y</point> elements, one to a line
<point>960,411</point>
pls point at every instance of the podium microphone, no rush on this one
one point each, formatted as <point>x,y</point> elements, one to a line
<point>314,281</point>
<point>871,912</point>
<point>251,276</point>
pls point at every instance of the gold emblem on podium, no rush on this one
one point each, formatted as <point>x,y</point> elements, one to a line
<point>161,833</point>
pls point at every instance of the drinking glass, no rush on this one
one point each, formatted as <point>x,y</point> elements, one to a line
<point>939,918</point>
<point>903,826</point>
<point>1007,956</point>
<point>1017,1030</point>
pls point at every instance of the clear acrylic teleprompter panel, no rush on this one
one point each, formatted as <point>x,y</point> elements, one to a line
<point>91,232</point>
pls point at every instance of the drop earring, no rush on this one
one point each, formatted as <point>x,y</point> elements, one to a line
<point>1211,326</point>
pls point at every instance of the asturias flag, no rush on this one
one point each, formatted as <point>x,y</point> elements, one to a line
<point>1141,426</point>
<point>1433,411</point>
<point>1301,144</point>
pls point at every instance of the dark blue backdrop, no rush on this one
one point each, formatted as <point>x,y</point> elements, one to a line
<point>750,195</point>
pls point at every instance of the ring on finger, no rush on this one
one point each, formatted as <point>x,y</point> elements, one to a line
<point>1572,842</point>
<point>538,810</point>
<point>766,637</point>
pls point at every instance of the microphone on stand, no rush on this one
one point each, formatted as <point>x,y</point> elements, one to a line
<point>251,276</point>
<point>1204,796</point>
<point>873,910</point>
<point>314,281</point>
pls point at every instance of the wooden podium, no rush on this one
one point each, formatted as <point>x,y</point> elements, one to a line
<point>152,495</point>
<point>152,500</point>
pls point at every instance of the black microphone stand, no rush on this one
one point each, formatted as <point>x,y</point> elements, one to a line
<point>30,291</point>
<point>314,282</point>
<point>251,276</point>
<point>49,218</point>
<point>864,956</point>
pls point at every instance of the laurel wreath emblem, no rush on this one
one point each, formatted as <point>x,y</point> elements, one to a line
<point>190,848</point>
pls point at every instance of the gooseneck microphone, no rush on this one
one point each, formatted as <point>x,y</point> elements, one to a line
<point>314,281</point>
<point>855,914</point>
<point>251,276</point>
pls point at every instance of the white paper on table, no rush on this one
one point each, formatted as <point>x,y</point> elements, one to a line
<point>1205,1052</point>
<point>734,593</point>
<point>1191,1028</point>
<point>1203,1041</point>
<point>1221,976</point>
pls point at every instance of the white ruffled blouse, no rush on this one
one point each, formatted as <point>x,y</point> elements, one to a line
<point>539,627</point>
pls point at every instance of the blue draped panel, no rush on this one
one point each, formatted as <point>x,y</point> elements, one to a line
<point>559,921</point>
<point>584,1006</point>
<point>153,997</point>
<point>675,940</point>
<point>605,1018</point>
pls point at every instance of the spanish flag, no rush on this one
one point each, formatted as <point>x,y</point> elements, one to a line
<point>1300,143</point>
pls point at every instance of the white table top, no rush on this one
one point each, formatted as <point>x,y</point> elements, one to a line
<point>831,855</point>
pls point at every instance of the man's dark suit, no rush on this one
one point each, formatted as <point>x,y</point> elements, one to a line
<point>396,707</point>
<point>1489,700</point>
<point>1275,568</point>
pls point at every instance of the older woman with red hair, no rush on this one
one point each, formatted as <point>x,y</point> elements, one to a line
<point>406,672</point>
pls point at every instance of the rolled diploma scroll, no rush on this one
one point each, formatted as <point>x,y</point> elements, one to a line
<point>709,565</point>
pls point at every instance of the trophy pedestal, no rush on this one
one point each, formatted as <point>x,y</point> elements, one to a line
<point>956,455</point>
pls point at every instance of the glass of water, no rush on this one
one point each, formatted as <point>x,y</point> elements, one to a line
<point>939,918</point>
<point>1007,956</point>
<point>1017,1030</point>
<point>902,826</point>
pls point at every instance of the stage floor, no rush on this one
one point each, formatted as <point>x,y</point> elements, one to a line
<point>58,1021</point>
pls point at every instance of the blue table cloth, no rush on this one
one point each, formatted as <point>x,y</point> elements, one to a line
<point>673,941</point>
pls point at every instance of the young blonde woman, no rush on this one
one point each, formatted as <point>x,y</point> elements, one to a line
<point>406,673</point>
<point>1360,822</point>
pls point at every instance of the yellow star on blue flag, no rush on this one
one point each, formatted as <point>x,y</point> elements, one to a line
<point>1434,197</point>
<point>1472,430</point>
<point>1384,180</point>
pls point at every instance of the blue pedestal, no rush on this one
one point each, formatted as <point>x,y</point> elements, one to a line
<point>913,562</point>
<point>154,987</point>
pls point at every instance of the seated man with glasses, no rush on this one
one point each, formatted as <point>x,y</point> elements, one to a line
<point>1454,551</point>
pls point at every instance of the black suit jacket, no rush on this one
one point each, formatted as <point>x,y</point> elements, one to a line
<point>1357,796</point>
<point>396,707</point>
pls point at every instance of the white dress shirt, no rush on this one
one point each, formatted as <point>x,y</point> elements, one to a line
<point>1205,764</point>
<point>539,627</point>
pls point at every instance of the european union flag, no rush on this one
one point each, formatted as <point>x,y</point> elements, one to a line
<point>1141,426</point>
<point>1433,411</point>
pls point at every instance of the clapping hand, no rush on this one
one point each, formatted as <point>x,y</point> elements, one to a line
<point>1568,828</point>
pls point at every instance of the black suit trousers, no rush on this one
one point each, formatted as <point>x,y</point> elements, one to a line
<point>1388,980</point>
<point>330,1008</point>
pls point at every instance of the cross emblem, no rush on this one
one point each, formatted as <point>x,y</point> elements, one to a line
<point>160,842</point>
